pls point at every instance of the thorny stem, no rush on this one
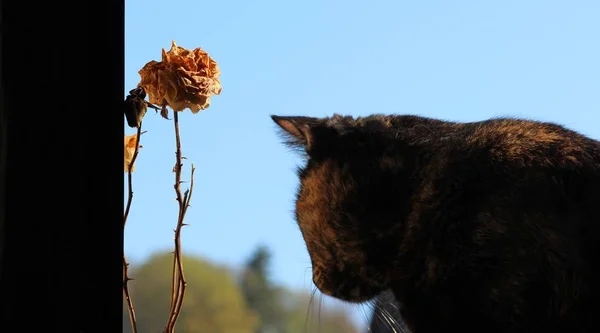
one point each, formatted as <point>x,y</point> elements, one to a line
<point>130,309</point>
<point>126,278</point>
<point>178,283</point>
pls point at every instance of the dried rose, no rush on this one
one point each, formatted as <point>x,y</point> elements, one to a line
<point>130,150</point>
<point>183,78</point>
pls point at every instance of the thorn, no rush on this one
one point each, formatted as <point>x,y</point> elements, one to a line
<point>183,158</point>
<point>150,105</point>
<point>184,224</point>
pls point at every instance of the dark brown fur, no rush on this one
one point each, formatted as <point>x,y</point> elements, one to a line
<point>489,226</point>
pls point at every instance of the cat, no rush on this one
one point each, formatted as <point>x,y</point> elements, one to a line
<point>490,226</point>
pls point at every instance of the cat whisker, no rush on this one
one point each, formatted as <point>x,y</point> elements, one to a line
<point>391,321</point>
<point>319,316</point>
<point>308,310</point>
<point>381,310</point>
<point>363,311</point>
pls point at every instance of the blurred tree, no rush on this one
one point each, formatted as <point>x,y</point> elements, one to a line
<point>213,301</point>
<point>285,311</point>
<point>261,294</point>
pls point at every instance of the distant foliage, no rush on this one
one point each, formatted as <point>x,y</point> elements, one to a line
<point>213,301</point>
<point>218,301</point>
<point>286,311</point>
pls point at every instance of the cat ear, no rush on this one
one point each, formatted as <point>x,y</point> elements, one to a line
<point>297,130</point>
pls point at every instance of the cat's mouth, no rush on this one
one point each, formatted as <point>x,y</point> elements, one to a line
<point>345,286</point>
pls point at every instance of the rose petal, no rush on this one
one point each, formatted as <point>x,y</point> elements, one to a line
<point>184,78</point>
<point>129,148</point>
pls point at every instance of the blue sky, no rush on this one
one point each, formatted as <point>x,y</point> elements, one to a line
<point>455,60</point>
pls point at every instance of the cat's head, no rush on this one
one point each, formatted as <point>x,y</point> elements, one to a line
<point>352,196</point>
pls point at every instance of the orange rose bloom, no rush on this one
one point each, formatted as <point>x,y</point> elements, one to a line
<point>184,79</point>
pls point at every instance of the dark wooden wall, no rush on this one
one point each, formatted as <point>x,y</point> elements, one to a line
<point>61,129</point>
